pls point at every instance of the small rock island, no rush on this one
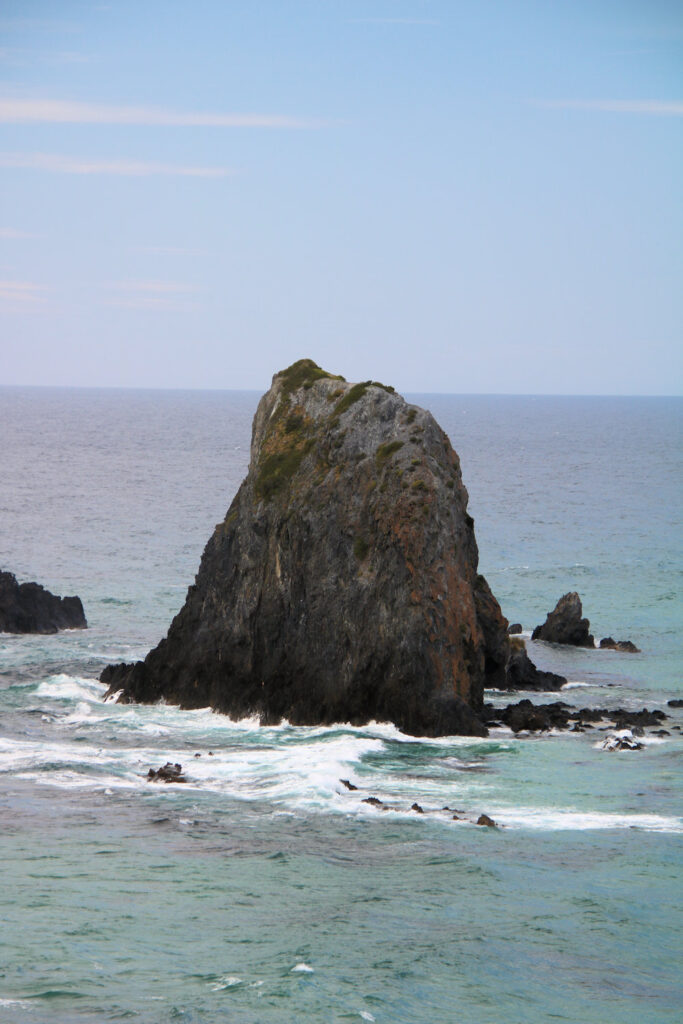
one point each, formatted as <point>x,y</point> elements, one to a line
<point>30,608</point>
<point>343,584</point>
<point>565,625</point>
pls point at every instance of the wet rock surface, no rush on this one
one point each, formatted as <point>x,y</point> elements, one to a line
<point>621,741</point>
<point>343,584</point>
<point>30,608</point>
<point>525,716</point>
<point>168,773</point>
<point>484,819</point>
<point>416,808</point>
<point>627,646</point>
<point>565,624</point>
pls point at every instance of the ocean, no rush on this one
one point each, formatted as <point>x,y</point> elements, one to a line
<point>264,891</point>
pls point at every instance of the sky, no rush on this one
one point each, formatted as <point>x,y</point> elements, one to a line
<point>465,196</point>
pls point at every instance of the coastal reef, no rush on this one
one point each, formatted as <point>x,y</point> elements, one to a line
<point>343,584</point>
<point>30,608</point>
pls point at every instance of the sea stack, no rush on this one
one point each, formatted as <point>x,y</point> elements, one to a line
<point>342,585</point>
<point>30,608</point>
<point>565,625</point>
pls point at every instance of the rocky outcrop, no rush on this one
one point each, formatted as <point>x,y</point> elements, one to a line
<point>528,717</point>
<point>514,628</point>
<point>522,674</point>
<point>565,625</point>
<point>484,819</point>
<point>607,643</point>
<point>29,608</point>
<point>167,773</point>
<point>621,741</point>
<point>342,584</point>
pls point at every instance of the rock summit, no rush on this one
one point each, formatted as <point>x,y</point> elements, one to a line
<point>343,584</point>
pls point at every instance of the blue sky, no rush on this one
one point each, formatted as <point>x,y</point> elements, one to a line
<point>448,196</point>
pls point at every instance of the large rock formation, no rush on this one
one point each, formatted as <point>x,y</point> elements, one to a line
<point>522,674</point>
<point>342,584</point>
<point>29,608</point>
<point>564,624</point>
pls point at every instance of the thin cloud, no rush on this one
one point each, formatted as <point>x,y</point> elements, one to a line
<point>122,168</point>
<point>155,287</point>
<point>164,296</point>
<point>15,233</point>
<point>38,24</point>
<point>30,111</point>
<point>23,56</point>
<point>21,294</point>
<point>169,250</point>
<point>393,21</point>
<point>658,108</point>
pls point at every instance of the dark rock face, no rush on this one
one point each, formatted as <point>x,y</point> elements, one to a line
<point>528,717</point>
<point>342,584</point>
<point>564,625</point>
<point>522,674</point>
<point>484,819</point>
<point>619,645</point>
<point>639,719</point>
<point>514,628</point>
<point>29,608</point>
<point>625,741</point>
<point>168,773</point>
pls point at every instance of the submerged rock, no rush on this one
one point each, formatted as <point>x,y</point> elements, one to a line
<point>565,625</point>
<point>342,585</point>
<point>484,819</point>
<point>621,741</point>
<point>527,717</point>
<point>30,608</point>
<point>607,643</point>
<point>168,773</point>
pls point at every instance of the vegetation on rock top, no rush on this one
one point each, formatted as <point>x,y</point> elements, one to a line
<point>303,373</point>
<point>357,392</point>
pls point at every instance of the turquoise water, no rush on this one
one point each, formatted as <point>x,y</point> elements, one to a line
<point>264,890</point>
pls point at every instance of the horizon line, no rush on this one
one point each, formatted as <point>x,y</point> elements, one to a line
<point>399,391</point>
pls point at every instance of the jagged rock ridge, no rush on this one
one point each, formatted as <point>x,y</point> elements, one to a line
<point>342,584</point>
<point>30,608</point>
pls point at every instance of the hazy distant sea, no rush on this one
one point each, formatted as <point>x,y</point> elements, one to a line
<point>263,891</point>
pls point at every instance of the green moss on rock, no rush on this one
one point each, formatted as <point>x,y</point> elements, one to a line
<point>301,373</point>
<point>385,451</point>
<point>277,469</point>
<point>355,393</point>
